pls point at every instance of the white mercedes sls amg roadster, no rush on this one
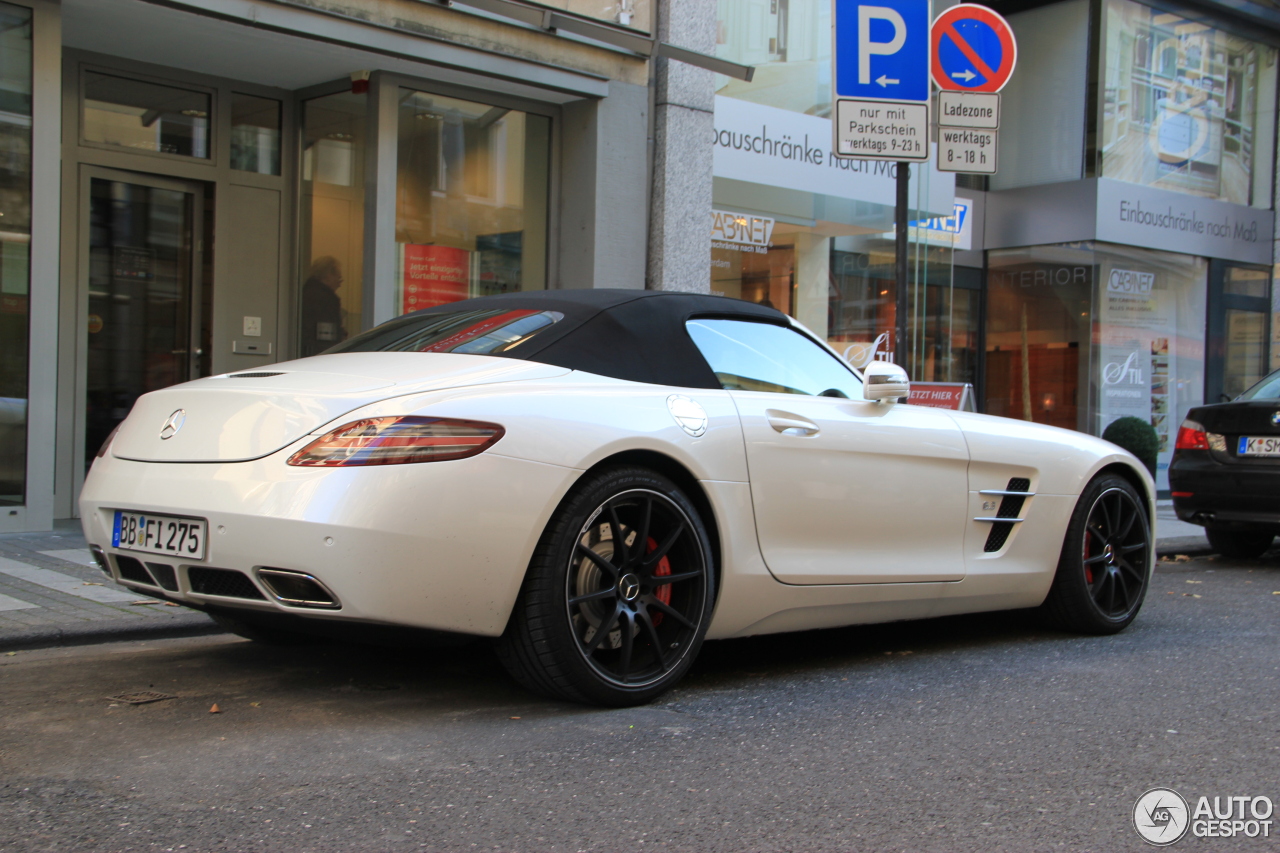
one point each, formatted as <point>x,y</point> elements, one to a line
<point>601,480</point>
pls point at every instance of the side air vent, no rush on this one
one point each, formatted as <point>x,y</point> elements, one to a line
<point>262,374</point>
<point>1010,505</point>
<point>227,583</point>
<point>131,570</point>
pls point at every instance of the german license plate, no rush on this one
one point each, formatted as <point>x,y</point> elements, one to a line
<point>1259,446</point>
<point>159,534</point>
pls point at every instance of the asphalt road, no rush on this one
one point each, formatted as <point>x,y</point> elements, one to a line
<point>975,733</point>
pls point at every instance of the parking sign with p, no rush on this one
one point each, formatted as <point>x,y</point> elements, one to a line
<point>882,49</point>
<point>881,59</point>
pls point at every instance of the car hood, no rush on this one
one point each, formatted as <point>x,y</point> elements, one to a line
<point>246,415</point>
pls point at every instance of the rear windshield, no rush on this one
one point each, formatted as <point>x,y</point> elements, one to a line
<point>492,332</point>
<point>1267,389</point>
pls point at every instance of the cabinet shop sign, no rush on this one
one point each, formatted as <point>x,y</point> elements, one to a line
<point>741,229</point>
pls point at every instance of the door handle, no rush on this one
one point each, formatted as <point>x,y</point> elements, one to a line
<point>789,424</point>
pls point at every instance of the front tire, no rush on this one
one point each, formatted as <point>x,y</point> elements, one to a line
<point>1105,565</point>
<point>618,595</point>
<point>1230,542</point>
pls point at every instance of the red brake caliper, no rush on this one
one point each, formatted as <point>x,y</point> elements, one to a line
<point>662,593</point>
<point>1088,570</point>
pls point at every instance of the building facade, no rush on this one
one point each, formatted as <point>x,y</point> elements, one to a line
<point>192,187</point>
<point>1120,262</point>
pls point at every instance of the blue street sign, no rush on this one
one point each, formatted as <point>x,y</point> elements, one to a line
<point>881,50</point>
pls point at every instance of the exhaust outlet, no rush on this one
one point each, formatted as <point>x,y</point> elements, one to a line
<point>297,589</point>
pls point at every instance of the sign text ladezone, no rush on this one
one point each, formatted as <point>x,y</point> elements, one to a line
<point>969,109</point>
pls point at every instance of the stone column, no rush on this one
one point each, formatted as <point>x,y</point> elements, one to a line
<point>680,200</point>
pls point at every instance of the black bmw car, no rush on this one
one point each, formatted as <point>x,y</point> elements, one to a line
<point>1225,472</point>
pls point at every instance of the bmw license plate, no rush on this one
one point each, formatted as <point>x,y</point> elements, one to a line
<point>159,534</point>
<point>1259,446</point>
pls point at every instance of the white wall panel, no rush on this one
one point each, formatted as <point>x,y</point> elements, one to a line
<point>1041,138</point>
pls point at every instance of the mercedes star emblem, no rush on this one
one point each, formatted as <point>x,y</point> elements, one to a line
<point>629,587</point>
<point>172,424</point>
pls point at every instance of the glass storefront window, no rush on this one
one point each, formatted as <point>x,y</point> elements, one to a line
<point>255,134</point>
<point>853,302</point>
<point>1039,306</point>
<point>1246,344</point>
<point>788,42</point>
<point>471,200</point>
<point>145,116</point>
<point>332,232</point>
<point>942,306</point>
<point>1081,334</point>
<point>766,278</point>
<point>15,245</point>
<point>1243,281</point>
<point>1186,107</point>
<point>1241,343</point>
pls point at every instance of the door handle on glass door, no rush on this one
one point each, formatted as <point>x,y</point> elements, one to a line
<point>789,424</point>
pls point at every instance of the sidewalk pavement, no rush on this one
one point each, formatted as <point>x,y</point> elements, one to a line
<point>52,595</point>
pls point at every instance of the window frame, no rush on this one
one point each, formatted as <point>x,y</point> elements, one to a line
<point>86,68</point>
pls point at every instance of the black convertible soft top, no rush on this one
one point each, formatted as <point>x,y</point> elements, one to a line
<point>637,335</point>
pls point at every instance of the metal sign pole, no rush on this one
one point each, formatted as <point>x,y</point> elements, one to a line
<point>880,69</point>
<point>900,270</point>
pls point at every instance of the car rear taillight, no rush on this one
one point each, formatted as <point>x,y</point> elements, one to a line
<point>1191,436</point>
<point>397,441</point>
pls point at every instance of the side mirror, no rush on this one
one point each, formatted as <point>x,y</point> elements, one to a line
<point>884,381</point>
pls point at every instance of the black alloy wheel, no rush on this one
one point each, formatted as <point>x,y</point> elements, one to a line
<point>1105,566</point>
<point>633,617</point>
<point>618,595</point>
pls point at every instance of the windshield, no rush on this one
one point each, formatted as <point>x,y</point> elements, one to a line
<point>1267,389</point>
<point>492,332</point>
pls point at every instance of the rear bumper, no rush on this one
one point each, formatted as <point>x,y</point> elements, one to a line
<point>1234,494</point>
<point>442,545</point>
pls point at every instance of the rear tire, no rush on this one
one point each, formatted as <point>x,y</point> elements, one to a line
<point>618,594</point>
<point>1105,565</point>
<point>1232,542</point>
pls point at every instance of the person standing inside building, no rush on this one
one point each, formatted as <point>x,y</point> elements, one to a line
<point>321,307</point>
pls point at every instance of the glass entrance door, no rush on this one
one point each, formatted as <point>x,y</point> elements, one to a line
<point>1239,310</point>
<point>143,277</point>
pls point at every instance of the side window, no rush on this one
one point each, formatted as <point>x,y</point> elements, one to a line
<point>748,356</point>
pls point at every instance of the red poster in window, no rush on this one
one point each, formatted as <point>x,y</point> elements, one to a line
<point>433,275</point>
